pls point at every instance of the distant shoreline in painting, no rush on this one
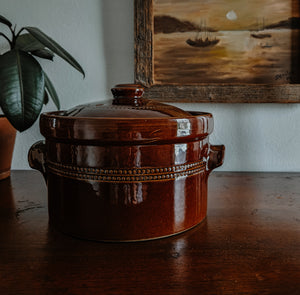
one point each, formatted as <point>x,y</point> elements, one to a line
<point>195,43</point>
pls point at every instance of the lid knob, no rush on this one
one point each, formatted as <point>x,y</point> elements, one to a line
<point>127,94</point>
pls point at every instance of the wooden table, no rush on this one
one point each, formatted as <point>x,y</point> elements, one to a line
<point>249,244</point>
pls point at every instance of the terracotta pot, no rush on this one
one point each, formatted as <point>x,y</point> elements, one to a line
<point>126,170</point>
<point>7,142</point>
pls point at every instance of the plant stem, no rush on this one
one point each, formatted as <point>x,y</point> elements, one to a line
<point>4,36</point>
<point>20,31</point>
<point>13,41</point>
<point>15,36</point>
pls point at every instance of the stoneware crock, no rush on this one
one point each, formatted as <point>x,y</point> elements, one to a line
<point>126,170</point>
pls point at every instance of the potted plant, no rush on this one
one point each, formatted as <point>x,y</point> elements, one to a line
<point>24,86</point>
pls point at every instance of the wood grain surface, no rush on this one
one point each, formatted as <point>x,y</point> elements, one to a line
<point>248,244</point>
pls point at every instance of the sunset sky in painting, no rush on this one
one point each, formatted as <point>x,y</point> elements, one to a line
<point>213,12</point>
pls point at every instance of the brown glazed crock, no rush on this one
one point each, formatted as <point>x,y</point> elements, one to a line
<point>131,169</point>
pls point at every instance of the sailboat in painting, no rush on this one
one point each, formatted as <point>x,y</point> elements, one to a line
<point>261,35</point>
<point>203,38</point>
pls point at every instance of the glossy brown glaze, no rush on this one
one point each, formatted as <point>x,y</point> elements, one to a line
<point>248,244</point>
<point>126,172</point>
<point>127,94</point>
<point>7,142</point>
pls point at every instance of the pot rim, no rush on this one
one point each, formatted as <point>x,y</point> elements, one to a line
<point>102,130</point>
<point>58,114</point>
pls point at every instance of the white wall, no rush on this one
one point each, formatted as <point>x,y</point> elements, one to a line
<point>99,34</point>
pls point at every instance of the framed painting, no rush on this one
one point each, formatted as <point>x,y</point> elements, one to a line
<point>218,50</point>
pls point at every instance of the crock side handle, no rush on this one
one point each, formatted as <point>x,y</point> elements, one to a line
<point>37,157</point>
<point>216,156</point>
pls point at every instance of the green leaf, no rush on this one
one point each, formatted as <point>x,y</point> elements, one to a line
<point>43,53</point>
<point>5,21</point>
<point>28,43</point>
<point>22,88</point>
<point>51,90</point>
<point>55,47</point>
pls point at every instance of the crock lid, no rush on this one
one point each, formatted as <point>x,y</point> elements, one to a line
<point>128,118</point>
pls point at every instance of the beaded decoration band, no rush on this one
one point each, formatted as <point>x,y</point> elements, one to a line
<point>120,175</point>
